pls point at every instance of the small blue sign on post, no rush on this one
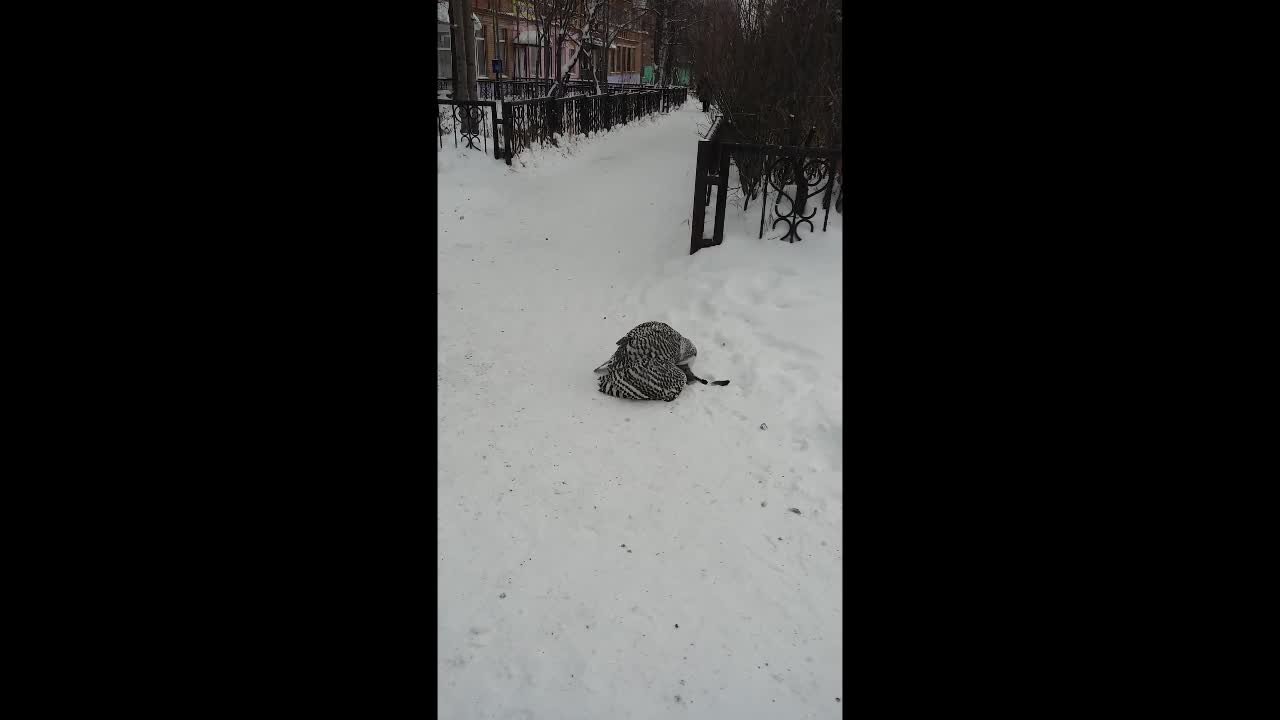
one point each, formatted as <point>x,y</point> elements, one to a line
<point>497,67</point>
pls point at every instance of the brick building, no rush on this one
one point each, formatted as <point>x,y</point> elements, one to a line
<point>506,29</point>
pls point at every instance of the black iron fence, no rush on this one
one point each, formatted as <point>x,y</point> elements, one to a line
<point>472,124</point>
<point>514,125</point>
<point>802,181</point>
<point>525,122</point>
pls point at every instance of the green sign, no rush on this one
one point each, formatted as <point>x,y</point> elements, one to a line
<point>679,76</point>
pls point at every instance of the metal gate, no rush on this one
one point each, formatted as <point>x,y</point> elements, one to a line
<point>801,180</point>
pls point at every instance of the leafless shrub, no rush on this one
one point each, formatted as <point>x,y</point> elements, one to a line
<point>773,69</point>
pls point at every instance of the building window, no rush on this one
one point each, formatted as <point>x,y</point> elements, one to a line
<point>444,51</point>
<point>444,57</point>
<point>502,48</point>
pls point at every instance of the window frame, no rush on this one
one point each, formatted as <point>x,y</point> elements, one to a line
<point>504,35</point>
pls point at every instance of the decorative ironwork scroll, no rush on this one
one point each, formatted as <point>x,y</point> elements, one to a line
<point>809,178</point>
<point>801,179</point>
<point>469,121</point>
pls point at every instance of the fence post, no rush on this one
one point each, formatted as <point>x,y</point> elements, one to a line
<point>699,189</point>
<point>722,194</point>
<point>833,161</point>
<point>506,129</point>
<point>493,109</point>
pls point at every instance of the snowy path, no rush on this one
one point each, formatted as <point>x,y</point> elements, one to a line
<point>543,480</point>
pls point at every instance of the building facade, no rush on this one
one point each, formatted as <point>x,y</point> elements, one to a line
<point>508,30</point>
<point>444,41</point>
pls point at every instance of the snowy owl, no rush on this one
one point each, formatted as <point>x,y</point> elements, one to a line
<point>651,363</point>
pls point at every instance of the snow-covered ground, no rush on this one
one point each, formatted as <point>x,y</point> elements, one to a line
<point>606,559</point>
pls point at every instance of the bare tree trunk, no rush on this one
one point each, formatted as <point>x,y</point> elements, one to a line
<point>657,43</point>
<point>668,63</point>
<point>604,51</point>
<point>660,71</point>
<point>662,41</point>
<point>464,50</point>
<point>595,69</point>
<point>457,57</point>
<point>544,42</point>
<point>585,33</point>
<point>557,90</point>
<point>464,57</point>
<point>469,27</point>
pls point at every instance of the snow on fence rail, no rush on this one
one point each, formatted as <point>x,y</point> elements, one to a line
<point>525,122</point>
<point>532,89</point>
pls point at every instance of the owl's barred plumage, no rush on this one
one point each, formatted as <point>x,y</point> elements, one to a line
<point>646,364</point>
<point>652,341</point>
<point>644,381</point>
